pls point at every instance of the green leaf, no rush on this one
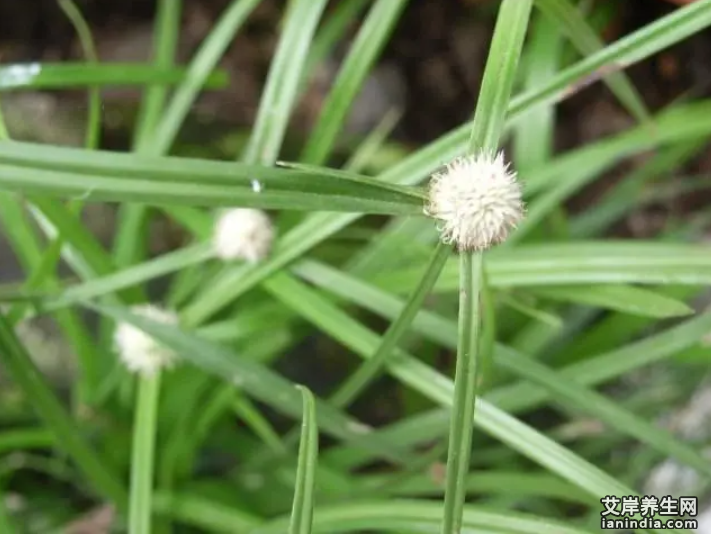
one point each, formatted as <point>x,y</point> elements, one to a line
<point>362,54</point>
<point>257,380</point>
<point>303,505</point>
<point>205,513</point>
<point>126,278</point>
<point>411,372</point>
<point>615,203</point>
<point>105,176</point>
<point>197,76</point>
<point>73,13</point>
<point>72,75</point>
<point>517,397</point>
<point>439,389</point>
<point>643,43</point>
<point>623,298</point>
<point>567,18</point>
<point>480,482</point>
<point>571,394</point>
<point>585,262</point>
<point>419,516</point>
<point>534,132</point>
<point>159,137</point>
<point>279,95</point>
<point>68,436</point>
<point>678,123</point>
<point>610,365</point>
<point>359,379</point>
<point>25,438</point>
<point>165,45</point>
<point>499,75</point>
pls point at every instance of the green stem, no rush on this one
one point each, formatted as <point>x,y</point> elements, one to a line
<point>372,367</point>
<point>465,382</point>
<point>144,434</point>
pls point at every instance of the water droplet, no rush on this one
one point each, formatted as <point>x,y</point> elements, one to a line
<point>257,186</point>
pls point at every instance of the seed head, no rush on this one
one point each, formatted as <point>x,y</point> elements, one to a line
<point>139,352</point>
<point>243,233</point>
<point>477,200</point>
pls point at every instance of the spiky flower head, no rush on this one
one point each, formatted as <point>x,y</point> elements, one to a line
<point>477,200</point>
<point>243,233</point>
<point>139,352</point>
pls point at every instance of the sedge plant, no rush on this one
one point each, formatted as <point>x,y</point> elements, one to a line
<point>504,328</point>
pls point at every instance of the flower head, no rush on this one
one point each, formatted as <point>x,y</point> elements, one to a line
<point>139,352</point>
<point>478,201</point>
<point>243,233</point>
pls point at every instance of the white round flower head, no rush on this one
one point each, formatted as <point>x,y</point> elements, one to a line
<point>478,201</point>
<point>243,233</point>
<point>139,352</point>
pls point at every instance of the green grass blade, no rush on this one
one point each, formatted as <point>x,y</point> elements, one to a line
<point>610,365</point>
<point>332,29</point>
<point>499,75</point>
<point>362,55</point>
<point>571,394</point>
<point>518,397</point>
<point>245,410</point>
<point>566,17</point>
<point>420,516</point>
<point>361,156</point>
<point>82,251</point>
<point>74,75</point>
<point>487,483</point>
<point>645,42</point>
<point>303,195</point>
<point>303,505</point>
<point>439,389</point>
<point>197,76</point>
<point>358,380</point>
<point>126,278</point>
<point>166,31</point>
<point>319,226</point>
<point>26,438</point>
<point>279,95</point>
<point>533,142</point>
<point>628,299</point>
<point>142,455</point>
<point>615,204</point>
<point>257,380</point>
<point>25,374</point>
<point>131,235</point>
<point>87,43</point>
<point>583,262</point>
<point>205,513</point>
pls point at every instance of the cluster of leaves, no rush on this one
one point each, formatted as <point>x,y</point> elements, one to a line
<point>563,312</point>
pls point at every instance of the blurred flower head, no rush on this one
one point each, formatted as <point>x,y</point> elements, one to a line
<point>139,352</point>
<point>243,233</point>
